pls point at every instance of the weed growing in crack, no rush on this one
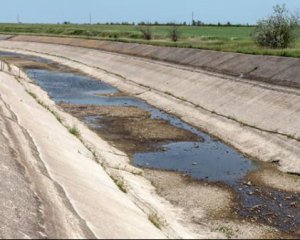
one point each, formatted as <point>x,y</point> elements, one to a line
<point>120,184</point>
<point>75,131</point>
<point>155,220</point>
<point>17,79</point>
<point>228,231</point>
<point>54,113</point>
<point>32,94</point>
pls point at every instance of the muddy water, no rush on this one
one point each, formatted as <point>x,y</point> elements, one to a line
<point>201,157</point>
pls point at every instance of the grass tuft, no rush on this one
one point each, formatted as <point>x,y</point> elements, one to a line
<point>228,231</point>
<point>120,184</point>
<point>75,131</point>
<point>155,220</point>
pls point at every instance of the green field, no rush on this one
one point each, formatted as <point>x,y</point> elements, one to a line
<point>221,38</point>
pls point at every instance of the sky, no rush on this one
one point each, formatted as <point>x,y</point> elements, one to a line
<point>79,11</point>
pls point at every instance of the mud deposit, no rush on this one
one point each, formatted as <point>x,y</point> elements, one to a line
<point>157,140</point>
<point>139,132</point>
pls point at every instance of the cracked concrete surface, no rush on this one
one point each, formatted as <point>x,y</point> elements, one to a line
<point>52,187</point>
<point>21,215</point>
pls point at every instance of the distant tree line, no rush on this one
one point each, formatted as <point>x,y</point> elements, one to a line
<point>193,23</point>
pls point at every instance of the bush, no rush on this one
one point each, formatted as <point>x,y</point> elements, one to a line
<point>278,30</point>
<point>146,31</point>
<point>174,33</point>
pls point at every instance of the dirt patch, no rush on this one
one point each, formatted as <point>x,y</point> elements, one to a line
<point>206,205</point>
<point>276,179</point>
<point>129,128</point>
<point>105,111</point>
<point>200,200</point>
<point>240,229</point>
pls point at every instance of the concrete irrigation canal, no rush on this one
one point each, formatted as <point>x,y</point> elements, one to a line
<point>202,184</point>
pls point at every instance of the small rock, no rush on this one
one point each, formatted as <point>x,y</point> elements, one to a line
<point>247,183</point>
<point>293,204</point>
<point>276,162</point>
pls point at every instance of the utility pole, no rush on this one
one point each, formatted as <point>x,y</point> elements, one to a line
<point>90,18</point>
<point>18,19</point>
<point>192,18</point>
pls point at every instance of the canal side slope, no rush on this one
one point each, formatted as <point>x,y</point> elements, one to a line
<point>272,69</point>
<point>257,118</point>
<point>51,185</point>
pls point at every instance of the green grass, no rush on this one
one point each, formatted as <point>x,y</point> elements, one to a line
<point>227,231</point>
<point>220,38</point>
<point>75,131</point>
<point>120,183</point>
<point>155,220</point>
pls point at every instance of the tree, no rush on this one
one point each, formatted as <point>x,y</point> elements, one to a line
<point>174,33</point>
<point>278,30</point>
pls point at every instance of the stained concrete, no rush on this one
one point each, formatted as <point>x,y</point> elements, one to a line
<point>276,70</point>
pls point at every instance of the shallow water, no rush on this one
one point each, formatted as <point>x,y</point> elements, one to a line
<point>207,160</point>
<point>210,160</point>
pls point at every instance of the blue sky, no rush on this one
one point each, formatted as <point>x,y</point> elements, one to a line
<point>77,11</point>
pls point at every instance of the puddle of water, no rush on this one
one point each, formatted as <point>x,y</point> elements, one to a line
<point>209,160</point>
<point>72,88</point>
